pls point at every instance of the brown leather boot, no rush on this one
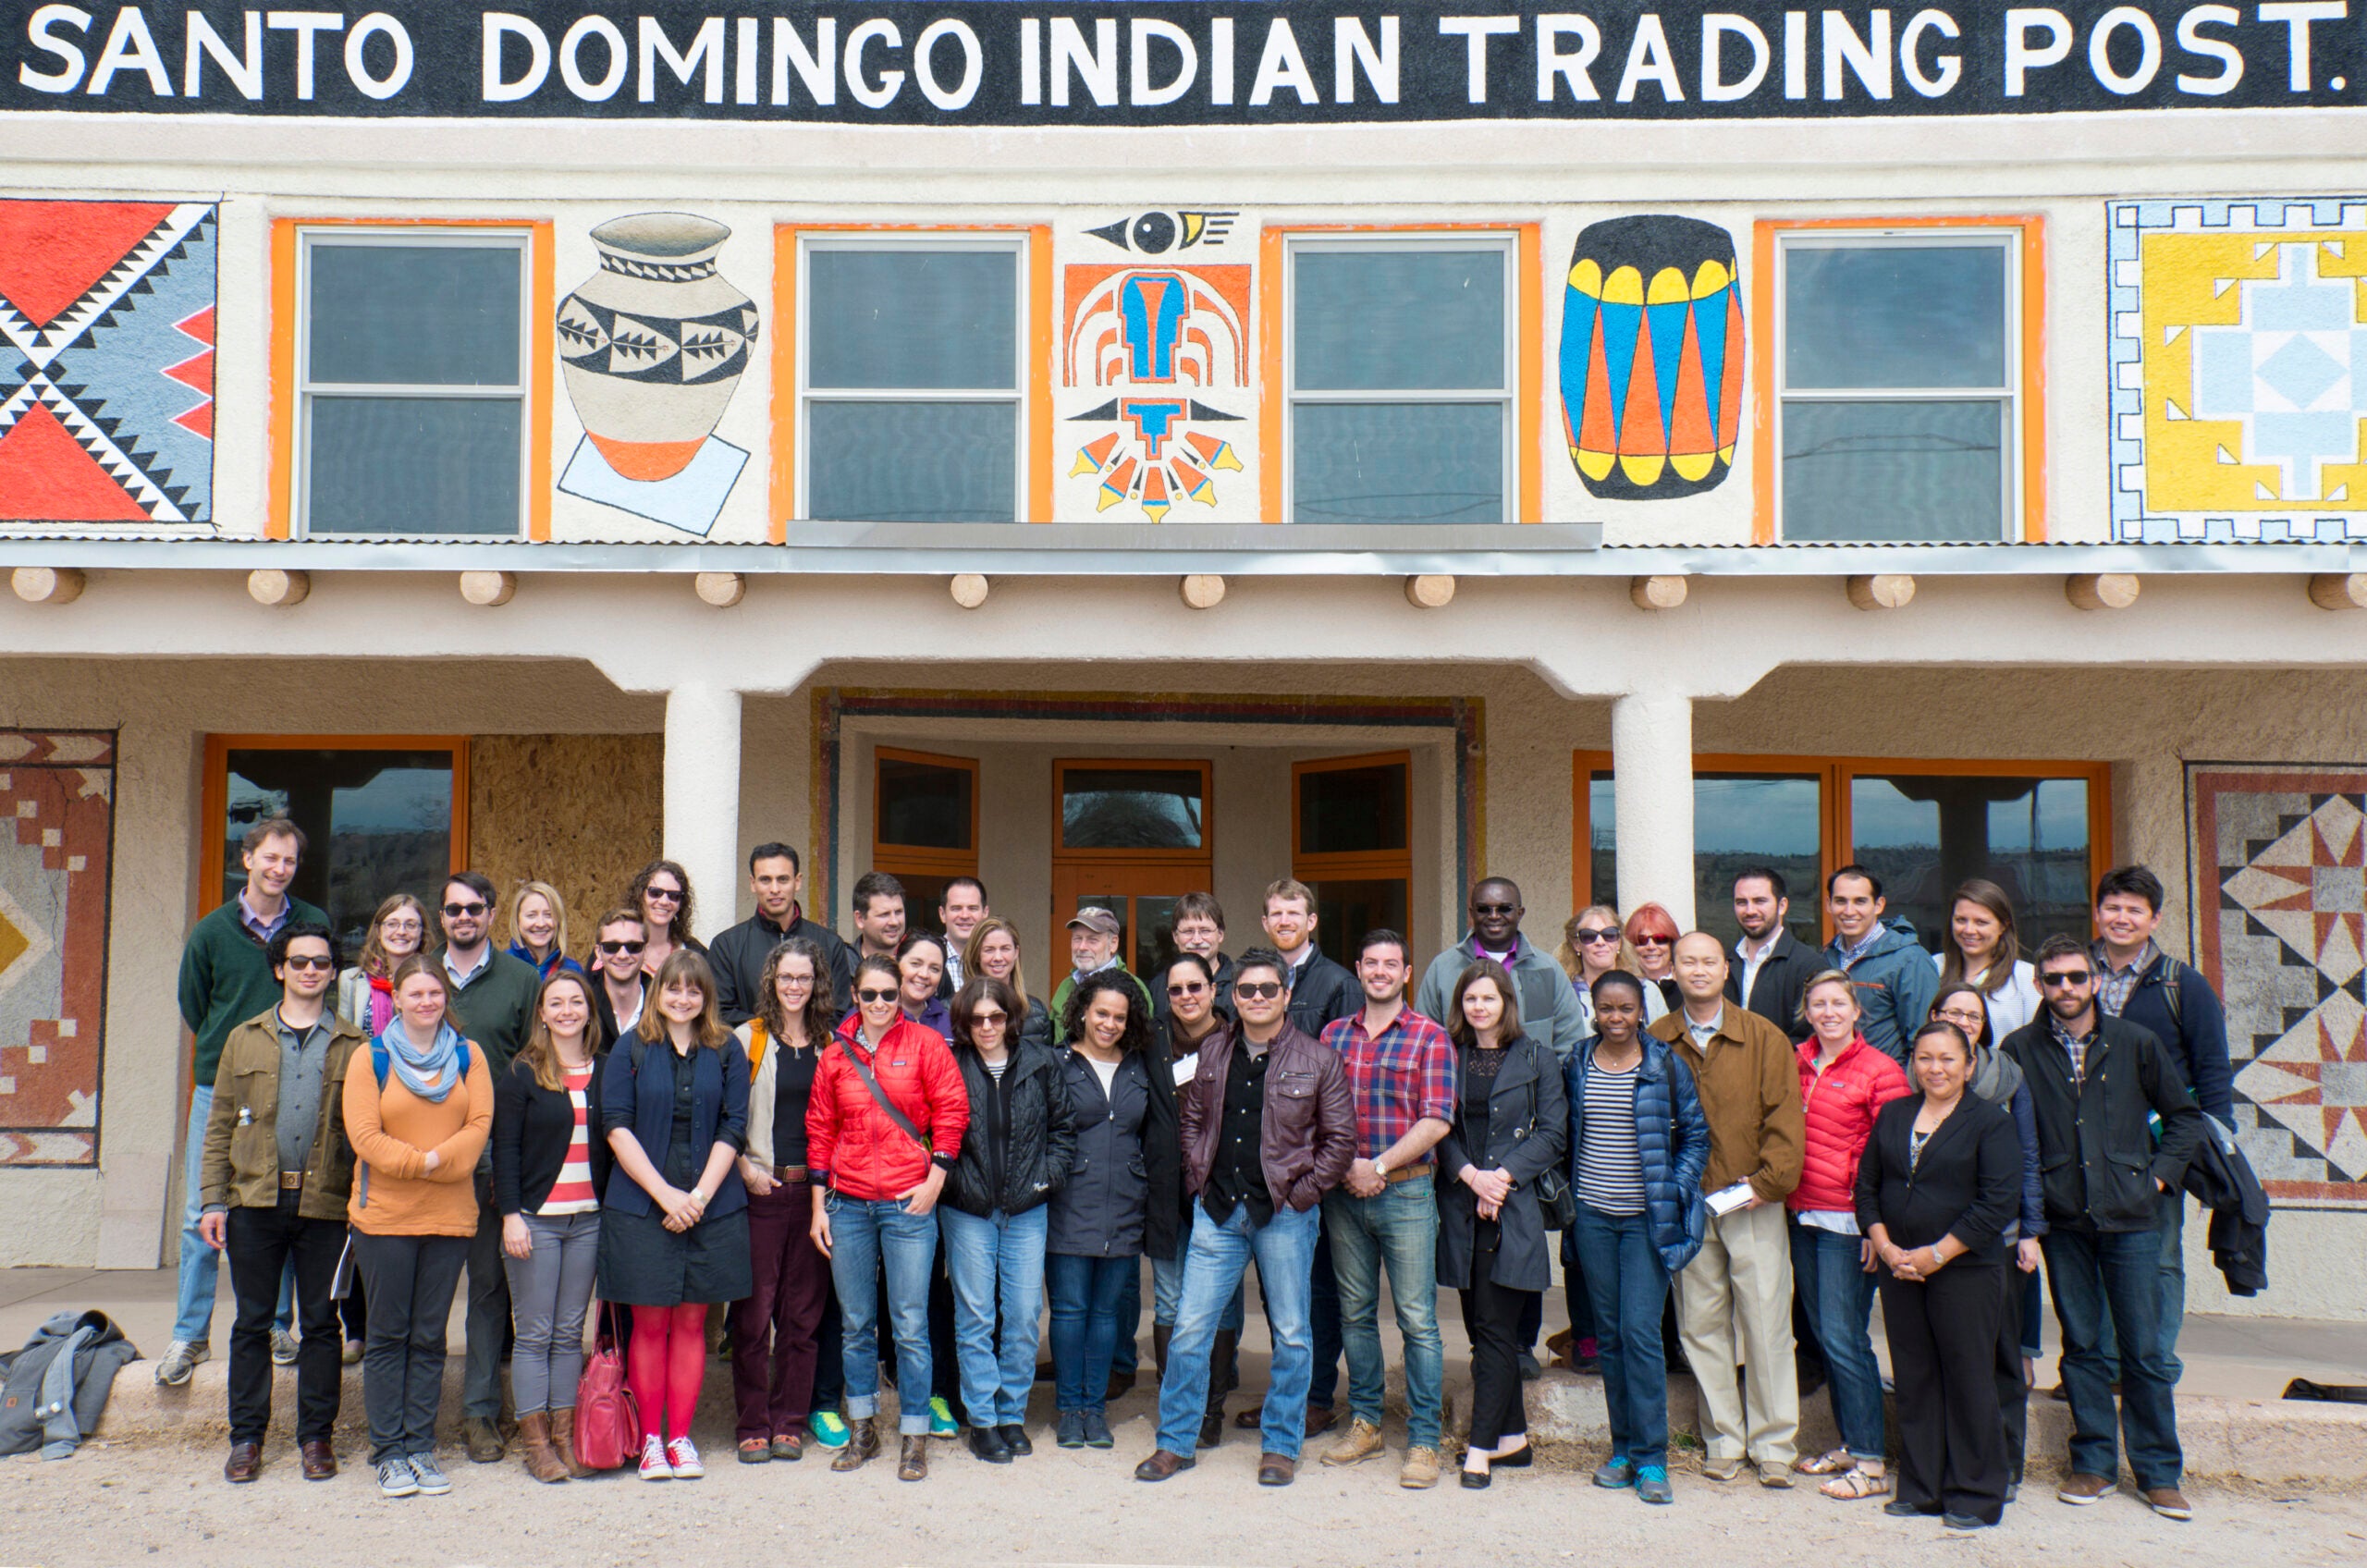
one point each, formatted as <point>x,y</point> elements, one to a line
<point>542,1462</point>
<point>563,1440</point>
<point>862,1444</point>
<point>1224,1376</point>
<point>1160,1335</point>
<point>912,1463</point>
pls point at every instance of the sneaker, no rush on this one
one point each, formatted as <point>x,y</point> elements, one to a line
<point>1614,1475</point>
<point>1530,1371</point>
<point>654,1464</point>
<point>1721,1469</point>
<point>2169,1502</point>
<point>1361,1443</point>
<point>1421,1471</point>
<point>351,1354</point>
<point>431,1481</point>
<point>1651,1484</point>
<point>830,1429</point>
<point>283,1347</point>
<point>684,1458</point>
<point>2081,1490</point>
<point>1587,1356</point>
<point>1069,1431</point>
<point>1097,1429</point>
<point>181,1361</point>
<point>940,1419</point>
<point>395,1477</point>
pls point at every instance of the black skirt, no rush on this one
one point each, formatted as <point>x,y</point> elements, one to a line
<point>643,1264</point>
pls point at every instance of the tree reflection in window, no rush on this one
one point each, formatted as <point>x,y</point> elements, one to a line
<point>1131,809</point>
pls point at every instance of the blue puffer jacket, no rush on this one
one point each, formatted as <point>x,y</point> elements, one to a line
<point>1672,1140</point>
<point>1895,987</point>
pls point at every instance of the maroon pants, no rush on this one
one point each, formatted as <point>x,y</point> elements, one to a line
<point>773,1330</point>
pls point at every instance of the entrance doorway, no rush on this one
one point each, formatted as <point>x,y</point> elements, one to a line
<point>1132,836</point>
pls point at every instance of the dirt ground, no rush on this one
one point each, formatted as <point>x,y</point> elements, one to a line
<point>113,1505</point>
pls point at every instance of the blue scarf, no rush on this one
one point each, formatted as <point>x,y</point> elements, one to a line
<point>440,1061</point>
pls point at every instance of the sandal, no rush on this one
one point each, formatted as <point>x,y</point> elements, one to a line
<point>1836,1463</point>
<point>1852,1486</point>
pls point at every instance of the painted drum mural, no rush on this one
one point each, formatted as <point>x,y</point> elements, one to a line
<point>1651,357</point>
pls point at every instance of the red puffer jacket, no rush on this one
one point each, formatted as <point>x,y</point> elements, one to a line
<point>851,1146</point>
<point>1840,1106</point>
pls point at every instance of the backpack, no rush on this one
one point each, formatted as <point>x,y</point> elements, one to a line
<point>607,1419</point>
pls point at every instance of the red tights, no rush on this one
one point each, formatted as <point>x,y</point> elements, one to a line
<point>666,1364</point>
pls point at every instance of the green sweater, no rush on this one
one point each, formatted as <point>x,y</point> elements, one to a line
<point>225,979</point>
<point>497,1006</point>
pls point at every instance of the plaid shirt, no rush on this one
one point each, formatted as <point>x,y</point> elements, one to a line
<point>2115,987</point>
<point>2077,1044</point>
<point>1405,1074</point>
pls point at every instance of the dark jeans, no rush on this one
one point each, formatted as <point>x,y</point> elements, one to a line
<point>1574,1297</point>
<point>1491,1315</point>
<point>2169,1223</point>
<point>1085,1293</point>
<point>260,1244</point>
<point>488,1324</point>
<point>1128,1357</point>
<point>412,1279</point>
<point>773,1331</point>
<point>2115,1276</point>
<point>830,1352</point>
<point>1839,1297</point>
<point>1943,1336</point>
<point>2013,1394</point>
<point>1628,1288</point>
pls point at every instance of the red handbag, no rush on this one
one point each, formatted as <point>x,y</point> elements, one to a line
<point>608,1422</point>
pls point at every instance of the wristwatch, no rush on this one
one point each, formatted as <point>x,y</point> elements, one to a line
<point>1380,1167</point>
<point>942,1161</point>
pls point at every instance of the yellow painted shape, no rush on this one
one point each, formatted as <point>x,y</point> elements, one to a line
<point>1587,277</point>
<point>1642,470</point>
<point>1692,465</point>
<point>1108,498</point>
<point>1624,286</point>
<point>1594,465</point>
<point>13,944</point>
<point>1224,458</point>
<point>1711,278</point>
<point>2187,282</point>
<point>1668,287</point>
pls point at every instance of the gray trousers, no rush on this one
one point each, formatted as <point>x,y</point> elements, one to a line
<point>410,1280</point>
<point>549,1291</point>
<point>489,1321</point>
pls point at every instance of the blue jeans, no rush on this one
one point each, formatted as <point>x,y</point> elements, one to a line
<point>2115,1276</point>
<point>864,1232</point>
<point>996,1263</point>
<point>1839,1296</point>
<point>1167,1297</point>
<point>200,1265</point>
<point>1085,1293</point>
<point>1285,1250</point>
<point>1126,1355</point>
<point>1628,1288</point>
<point>1399,1231</point>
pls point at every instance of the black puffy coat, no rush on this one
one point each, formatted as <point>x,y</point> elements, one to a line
<point>1022,1138</point>
<point>1167,1222</point>
<point>1100,1211</point>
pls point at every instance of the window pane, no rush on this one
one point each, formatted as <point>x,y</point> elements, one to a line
<point>1109,808</point>
<point>1602,842</point>
<point>907,317</point>
<point>1406,319</point>
<point>1894,470</point>
<point>1346,910</point>
<point>1398,462</point>
<point>1924,835</point>
<point>912,462</point>
<point>924,891</point>
<point>375,823</point>
<point>414,465</point>
<point>1774,820</point>
<point>1352,809</point>
<point>924,806</point>
<point>1153,932</point>
<point>1894,315</point>
<point>420,314</point>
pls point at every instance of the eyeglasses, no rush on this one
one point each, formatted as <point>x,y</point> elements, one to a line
<point>869,995</point>
<point>308,960</point>
<point>1587,937</point>
<point>1964,1016</point>
<point>1187,988</point>
<point>671,894</point>
<point>614,948</point>
<point>457,911</point>
<point>2065,978</point>
<point>404,925</point>
<point>1259,989</point>
<point>1495,909</point>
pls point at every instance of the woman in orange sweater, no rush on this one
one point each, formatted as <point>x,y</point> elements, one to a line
<point>414,1212</point>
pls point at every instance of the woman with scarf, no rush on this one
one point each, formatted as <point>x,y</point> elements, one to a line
<point>418,1120</point>
<point>538,930</point>
<point>365,998</point>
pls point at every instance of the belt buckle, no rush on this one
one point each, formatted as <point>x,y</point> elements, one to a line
<point>291,1181</point>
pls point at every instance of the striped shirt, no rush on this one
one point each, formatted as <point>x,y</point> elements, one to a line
<point>1611,1171</point>
<point>572,1193</point>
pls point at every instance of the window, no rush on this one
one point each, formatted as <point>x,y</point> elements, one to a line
<point>912,379</point>
<point>924,826</point>
<point>2040,830</point>
<point>1897,382</point>
<point>381,815</point>
<point>1401,364</point>
<point>1352,842</point>
<point>411,380</point>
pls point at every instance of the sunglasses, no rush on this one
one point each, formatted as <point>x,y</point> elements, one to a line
<point>671,894</point>
<point>997,1018</point>
<point>1259,989</point>
<point>613,948</point>
<point>1654,941</point>
<point>2065,978</point>
<point>1187,988</point>
<point>457,911</point>
<point>308,960</point>
<point>870,995</point>
<point>1587,937</point>
<point>1495,909</point>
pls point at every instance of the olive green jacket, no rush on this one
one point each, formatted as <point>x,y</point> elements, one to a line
<point>241,1162</point>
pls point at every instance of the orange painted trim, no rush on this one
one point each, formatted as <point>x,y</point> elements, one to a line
<point>1272,257</point>
<point>542,263</point>
<point>2032,227</point>
<point>1528,331</point>
<point>1036,397</point>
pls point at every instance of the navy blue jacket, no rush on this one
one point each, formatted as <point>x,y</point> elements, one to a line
<point>1671,1142</point>
<point>2195,1031</point>
<point>641,1101</point>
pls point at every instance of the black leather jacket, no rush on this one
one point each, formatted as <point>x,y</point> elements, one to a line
<point>1022,1138</point>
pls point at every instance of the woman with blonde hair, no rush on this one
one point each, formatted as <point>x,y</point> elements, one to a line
<point>674,1230</point>
<point>538,929</point>
<point>1594,944</point>
<point>993,949</point>
<point>1982,951</point>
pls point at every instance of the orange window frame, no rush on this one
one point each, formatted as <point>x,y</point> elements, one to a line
<point>1361,866</point>
<point>542,270</point>
<point>1836,837</point>
<point>1036,397</point>
<point>1529,369</point>
<point>2030,412</point>
<point>921,860</point>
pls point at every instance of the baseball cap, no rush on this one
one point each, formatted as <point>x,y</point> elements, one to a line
<point>1096,920</point>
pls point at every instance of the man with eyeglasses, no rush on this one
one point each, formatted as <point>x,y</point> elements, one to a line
<point>739,954</point>
<point>1550,1013</point>
<point>278,1196</point>
<point>225,979</point>
<point>492,1003</point>
<point>2098,1084</point>
<point>1268,1128</point>
<point>1771,968</point>
<point>1200,930</point>
<point>616,959</point>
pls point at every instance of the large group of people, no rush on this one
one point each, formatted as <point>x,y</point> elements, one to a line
<point>890,1158</point>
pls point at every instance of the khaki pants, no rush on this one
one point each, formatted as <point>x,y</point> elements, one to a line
<point>1733,1304</point>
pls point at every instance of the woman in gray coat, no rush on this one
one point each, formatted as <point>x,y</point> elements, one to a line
<point>1511,1127</point>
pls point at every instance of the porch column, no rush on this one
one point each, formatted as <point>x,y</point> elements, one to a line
<point>1652,760</point>
<point>703,799</point>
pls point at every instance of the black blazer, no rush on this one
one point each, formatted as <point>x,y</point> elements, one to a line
<point>531,1129</point>
<point>1775,989</point>
<point>1969,1184</point>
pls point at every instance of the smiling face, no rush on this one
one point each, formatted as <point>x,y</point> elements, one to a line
<point>876,997</point>
<point>566,1010</point>
<point>1757,909</point>
<point>1189,995</point>
<point>793,984</point>
<point>1976,931</point>
<point>466,915</point>
<point>1700,966</point>
<point>1854,907</point>
<point>616,952</point>
<point>1495,914</point>
<point>400,933</point>
<point>922,968</point>
<point>880,922</point>
<point>420,999</point>
<point>271,865</point>
<point>774,880</point>
<point>1105,1020</point>
<point>963,909</point>
<point>661,901</point>
<point>1090,949</point>
<point>998,954</point>
<point>1618,1013</point>
<point>1198,934</point>
<point>1833,1012</point>
<point>1289,924</point>
<point>309,968</point>
<point>2126,920</point>
<point>681,1000</point>
<point>1380,970</point>
<point>537,922</point>
<point>1260,995</point>
<point>1483,1004</point>
<point>1942,1064</point>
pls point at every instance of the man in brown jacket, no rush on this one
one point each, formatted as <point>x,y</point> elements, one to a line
<point>1268,1127</point>
<point>276,1171</point>
<point>1734,1302</point>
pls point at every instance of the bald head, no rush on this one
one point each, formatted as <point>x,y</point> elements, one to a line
<point>1700,962</point>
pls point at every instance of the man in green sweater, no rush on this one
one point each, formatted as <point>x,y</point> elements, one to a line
<point>492,1004</point>
<point>225,979</point>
